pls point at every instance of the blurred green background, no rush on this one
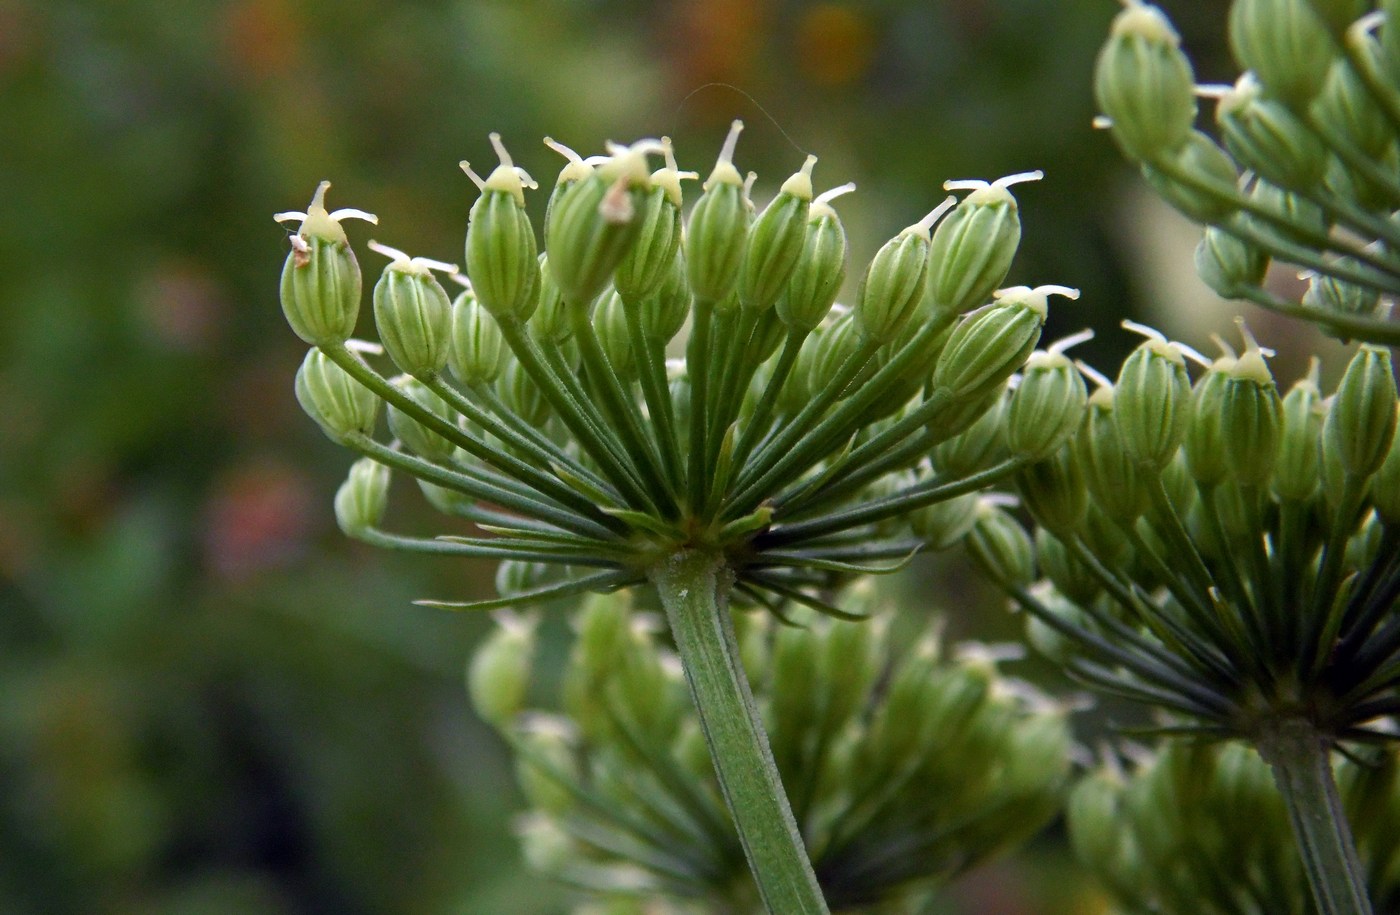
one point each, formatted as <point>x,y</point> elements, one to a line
<point>210,701</point>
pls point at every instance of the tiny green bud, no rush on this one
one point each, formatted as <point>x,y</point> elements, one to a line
<point>1285,45</point>
<point>1228,265</point>
<point>821,267</point>
<point>980,446</point>
<point>478,350</point>
<point>1385,485</point>
<point>500,247</point>
<point>990,344</point>
<point>610,326</point>
<point>645,266</point>
<point>1266,137</point>
<point>834,344</point>
<point>320,288</point>
<point>550,323</point>
<point>595,222</point>
<point>1144,84</point>
<point>1153,400</point>
<point>415,437</point>
<point>1047,406</point>
<point>892,289</point>
<point>1095,818</point>
<point>775,241</point>
<point>1053,490</point>
<point>718,228</point>
<point>340,405</point>
<point>1361,422</point>
<point>972,249</point>
<point>499,674</point>
<point>944,524</point>
<point>361,500</point>
<point>1044,638</point>
<point>413,312</point>
<point>1296,472</point>
<point>1202,159</point>
<point>1001,546</point>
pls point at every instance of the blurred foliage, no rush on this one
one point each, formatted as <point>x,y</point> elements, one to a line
<point>211,702</point>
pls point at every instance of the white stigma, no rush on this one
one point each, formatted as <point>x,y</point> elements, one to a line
<point>1098,378</point>
<point>575,168</point>
<point>724,170</point>
<point>1059,347</point>
<point>420,265</point>
<point>925,226</point>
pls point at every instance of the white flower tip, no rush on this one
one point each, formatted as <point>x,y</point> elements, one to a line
<point>354,213</point>
<point>465,166</point>
<point>965,184</point>
<point>1101,122</point>
<point>364,347</point>
<point>668,154</point>
<point>1217,91</point>
<point>1142,330</point>
<point>393,253</point>
<point>925,226</point>
<point>1060,346</point>
<point>724,170</point>
<point>841,190</point>
<point>1019,178</point>
<point>800,183</point>
<point>289,216</point>
<point>1227,352</point>
<point>525,178</point>
<point>461,279</point>
<point>500,149</point>
<point>318,199</point>
<point>1099,379</point>
<point>1363,27</point>
<point>1068,292</point>
<point>399,260</point>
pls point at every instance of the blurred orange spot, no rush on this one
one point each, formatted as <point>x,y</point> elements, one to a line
<point>716,41</point>
<point>261,38</point>
<point>835,44</point>
<point>256,518</point>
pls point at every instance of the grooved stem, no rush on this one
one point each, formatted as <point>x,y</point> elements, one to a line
<point>694,590</point>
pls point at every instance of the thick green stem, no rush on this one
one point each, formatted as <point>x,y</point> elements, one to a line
<point>694,589</point>
<point>1301,761</point>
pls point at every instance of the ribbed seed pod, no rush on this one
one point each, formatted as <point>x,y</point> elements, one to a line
<point>978,447</point>
<point>1152,402</point>
<point>1002,547</point>
<point>478,350</point>
<point>775,241</point>
<point>1297,470</point>
<point>1054,492</point>
<point>717,232</point>
<point>594,224</point>
<point>500,248</point>
<point>892,288</point>
<point>550,322</point>
<point>321,284</point>
<point>1111,473</point>
<point>1361,422</point>
<point>1204,161</point>
<point>499,673</point>
<point>361,500</point>
<point>1265,136</point>
<point>1228,265</point>
<point>414,315</point>
<point>1285,45</point>
<point>1144,84</point>
<point>645,265</point>
<point>991,344</point>
<point>971,250</point>
<point>416,437</point>
<point>610,326</point>
<point>340,405</point>
<point>1047,406</point>
<point>821,269</point>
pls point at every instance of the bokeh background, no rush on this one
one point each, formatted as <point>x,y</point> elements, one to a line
<point>210,701</point>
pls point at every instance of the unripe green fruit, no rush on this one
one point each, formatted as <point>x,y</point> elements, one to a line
<point>664,313</point>
<point>972,249</point>
<point>414,317</point>
<point>519,392</point>
<point>1002,547</point>
<point>502,257</point>
<point>1144,84</point>
<point>478,350</point>
<point>416,437</point>
<point>340,405</point>
<point>1295,210</point>
<point>1228,265</point>
<point>775,242</point>
<point>893,286</point>
<point>361,500</point>
<point>1047,640</point>
<point>1047,406</point>
<point>610,326</point>
<point>592,227</point>
<point>499,674</point>
<point>1331,294</point>
<point>647,263</point>
<point>1069,576</point>
<point>978,447</point>
<point>1112,475</point>
<point>1054,492</point>
<point>821,269</point>
<point>1385,485</point>
<point>991,344</point>
<point>1285,45</point>
<point>1204,444</point>
<point>1361,422</point>
<point>1152,403</point>
<point>1251,419</point>
<point>1297,470</point>
<point>1094,818</point>
<point>1265,136</point>
<point>716,238</point>
<point>320,291</point>
<point>1203,160</point>
<point>550,323</point>
<point>944,524</point>
<point>834,344</point>
<point>1345,108</point>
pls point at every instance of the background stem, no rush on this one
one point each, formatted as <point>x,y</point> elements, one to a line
<point>1301,761</point>
<point>694,589</point>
